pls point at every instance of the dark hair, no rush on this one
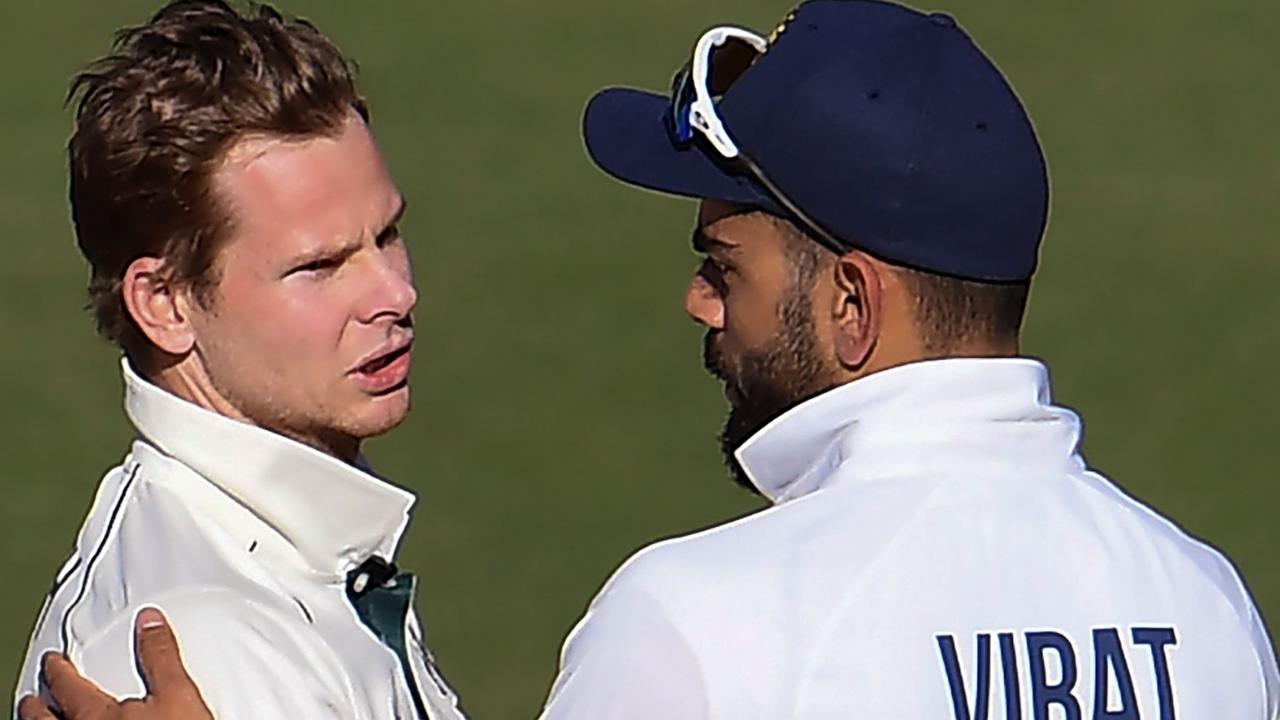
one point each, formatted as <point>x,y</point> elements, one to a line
<point>804,254</point>
<point>154,120</point>
<point>949,311</point>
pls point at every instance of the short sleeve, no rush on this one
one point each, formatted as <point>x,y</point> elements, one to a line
<point>626,660</point>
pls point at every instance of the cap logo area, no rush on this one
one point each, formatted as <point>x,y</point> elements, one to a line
<point>782,26</point>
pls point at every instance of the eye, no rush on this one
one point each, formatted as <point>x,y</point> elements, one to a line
<point>389,236</point>
<point>321,266</point>
<point>715,272</point>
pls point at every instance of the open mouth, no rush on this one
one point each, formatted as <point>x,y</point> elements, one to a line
<point>385,373</point>
<point>379,363</point>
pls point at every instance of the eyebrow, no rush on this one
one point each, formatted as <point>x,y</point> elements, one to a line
<point>327,252</point>
<point>347,249</point>
<point>704,243</point>
<point>395,218</point>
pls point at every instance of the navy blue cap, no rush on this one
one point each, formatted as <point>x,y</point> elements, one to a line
<point>888,127</point>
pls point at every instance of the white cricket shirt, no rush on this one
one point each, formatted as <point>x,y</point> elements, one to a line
<point>937,549</point>
<point>244,538</point>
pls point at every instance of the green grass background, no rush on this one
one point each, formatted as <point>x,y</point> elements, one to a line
<point>562,419</point>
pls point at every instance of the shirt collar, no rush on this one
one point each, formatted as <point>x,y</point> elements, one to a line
<point>923,412</point>
<point>333,513</point>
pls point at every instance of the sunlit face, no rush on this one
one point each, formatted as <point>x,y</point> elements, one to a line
<point>758,308</point>
<point>739,285</point>
<point>309,329</point>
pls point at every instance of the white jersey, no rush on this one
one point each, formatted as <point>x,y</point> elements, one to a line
<point>937,549</point>
<point>247,541</point>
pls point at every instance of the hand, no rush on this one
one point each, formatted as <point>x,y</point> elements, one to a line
<point>171,695</point>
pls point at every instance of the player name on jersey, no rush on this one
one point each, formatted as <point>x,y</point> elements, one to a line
<point>1054,669</point>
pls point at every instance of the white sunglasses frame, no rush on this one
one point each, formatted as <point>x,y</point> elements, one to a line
<point>704,118</point>
<point>702,111</point>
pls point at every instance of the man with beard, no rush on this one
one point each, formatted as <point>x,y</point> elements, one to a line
<point>872,201</point>
<point>872,198</point>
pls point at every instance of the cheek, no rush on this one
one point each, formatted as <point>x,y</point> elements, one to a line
<point>824,309</point>
<point>750,316</point>
<point>288,326</point>
<point>314,318</point>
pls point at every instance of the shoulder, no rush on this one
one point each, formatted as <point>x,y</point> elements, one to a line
<point>249,656</point>
<point>628,657</point>
<point>1205,571</point>
<point>1163,535</point>
<point>224,617</point>
<point>715,570</point>
<point>651,587</point>
<point>154,536</point>
<point>664,567</point>
<point>764,541</point>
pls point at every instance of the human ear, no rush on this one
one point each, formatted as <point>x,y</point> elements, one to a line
<point>856,309</point>
<point>157,306</point>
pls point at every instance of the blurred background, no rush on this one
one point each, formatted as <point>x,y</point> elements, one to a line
<point>562,418</point>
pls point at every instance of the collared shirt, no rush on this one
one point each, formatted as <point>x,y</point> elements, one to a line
<point>937,549</point>
<point>244,538</point>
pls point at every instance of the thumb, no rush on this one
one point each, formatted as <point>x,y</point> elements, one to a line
<point>158,658</point>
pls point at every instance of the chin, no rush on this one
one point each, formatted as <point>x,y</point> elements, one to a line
<point>383,413</point>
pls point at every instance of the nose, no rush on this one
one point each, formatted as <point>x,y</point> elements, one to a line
<point>704,303</point>
<point>402,294</point>
<point>391,291</point>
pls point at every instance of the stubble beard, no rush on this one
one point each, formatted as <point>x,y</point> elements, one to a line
<point>330,429</point>
<point>764,383</point>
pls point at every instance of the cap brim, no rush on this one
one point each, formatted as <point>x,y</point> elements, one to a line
<point>626,135</point>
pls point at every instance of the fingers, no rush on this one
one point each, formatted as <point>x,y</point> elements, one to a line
<point>170,691</point>
<point>159,660</point>
<point>33,708</point>
<point>78,697</point>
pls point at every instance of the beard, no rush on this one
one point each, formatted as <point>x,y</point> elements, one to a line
<point>763,383</point>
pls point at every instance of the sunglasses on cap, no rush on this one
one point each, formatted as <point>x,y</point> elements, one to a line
<point>720,57</point>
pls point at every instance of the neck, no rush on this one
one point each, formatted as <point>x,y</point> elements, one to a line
<point>187,378</point>
<point>893,355</point>
<point>975,349</point>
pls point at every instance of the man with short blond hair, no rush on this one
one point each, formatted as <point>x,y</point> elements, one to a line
<point>242,231</point>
